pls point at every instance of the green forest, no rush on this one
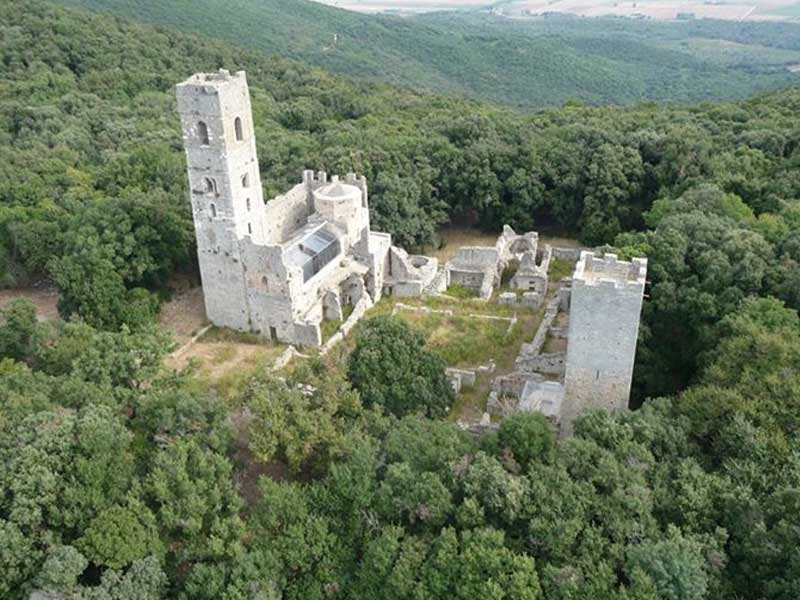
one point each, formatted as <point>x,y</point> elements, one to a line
<point>124,479</point>
<point>521,63</point>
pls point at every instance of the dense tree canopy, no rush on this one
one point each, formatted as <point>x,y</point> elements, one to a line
<point>390,367</point>
<point>112,485</point>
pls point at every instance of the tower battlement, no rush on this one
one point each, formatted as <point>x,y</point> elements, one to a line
<point>213,81</point>
<point>610,272</point>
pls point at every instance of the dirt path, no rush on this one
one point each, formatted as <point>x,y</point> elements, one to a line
<point>184,315</point>
<point>44,297</point>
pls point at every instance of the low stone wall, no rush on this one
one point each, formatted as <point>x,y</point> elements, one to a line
<point>564,295</point>
<point>459,378</point>
<point>284,359</point>
<point>407,289</point>
<point>308,334</point>
<point>535,347</point>
<point>528,300</point>
<point>361,307</point>
<point>571,254</point>
<point>423,309</point>
<point>549,364</point>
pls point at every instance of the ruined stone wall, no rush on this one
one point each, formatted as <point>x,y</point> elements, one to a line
<point>285,214</point>
<point>268,291</point>
<point>467,279</point>
<point>475,257</point>
<point>552,363</point>
<point>307,334</point>
<point>605,304</point>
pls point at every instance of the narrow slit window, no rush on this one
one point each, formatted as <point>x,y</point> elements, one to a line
<point>245,181</point>
<point>249,229</point>
<point>213,211</point>
<point>248,204</point>
<point>237,125</point>
<point>202,133</point>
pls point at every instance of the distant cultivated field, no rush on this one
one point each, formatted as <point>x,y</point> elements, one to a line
<point>734,10</point>
<point>404,6</point>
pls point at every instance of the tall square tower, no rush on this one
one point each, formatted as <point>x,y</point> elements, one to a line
<point>605,306</point>
<point>224,187</point>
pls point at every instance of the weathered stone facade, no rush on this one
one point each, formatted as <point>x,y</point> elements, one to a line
<point>605,305</point>
<point>280,268</point>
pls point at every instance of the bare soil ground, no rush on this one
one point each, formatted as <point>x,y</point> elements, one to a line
<point>44,297</point>
<point>184,315</point>
<point>225,359</point>
<point>218,358</point>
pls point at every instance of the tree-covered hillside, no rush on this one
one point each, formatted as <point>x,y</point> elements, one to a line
<point>121,479</point>
<point>529,63</point>
<point>94,192</point>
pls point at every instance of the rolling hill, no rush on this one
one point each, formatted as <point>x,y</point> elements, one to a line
<point>525,64</point>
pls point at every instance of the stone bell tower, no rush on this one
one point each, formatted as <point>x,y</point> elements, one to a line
<point>224,187</point>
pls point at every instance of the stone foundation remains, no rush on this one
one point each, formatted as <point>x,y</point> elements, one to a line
<point>603,303</point>
<point>279,268</point>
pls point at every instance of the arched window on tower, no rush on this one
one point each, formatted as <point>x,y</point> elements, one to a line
<point>237,125</point>
<point>245,181</point>
<point>213,210</point>
<point>210,185</point>
<point>202,132</point>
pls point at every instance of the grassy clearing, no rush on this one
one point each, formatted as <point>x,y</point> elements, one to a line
<point>460,292</point>
<point>560,268</point>
<point>451,238</point>
<point>466,341</point>
<point>329,327</point>
<point>223,334</point>
<point>460,340</point>
<point>226,367</point>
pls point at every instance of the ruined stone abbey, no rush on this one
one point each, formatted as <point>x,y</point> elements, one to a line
<point>279,268</point>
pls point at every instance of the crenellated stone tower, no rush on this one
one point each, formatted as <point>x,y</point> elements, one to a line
<point>605,305</point>
<point>225,187</point>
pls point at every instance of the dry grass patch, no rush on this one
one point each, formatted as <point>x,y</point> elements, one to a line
<point>460,340</point>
